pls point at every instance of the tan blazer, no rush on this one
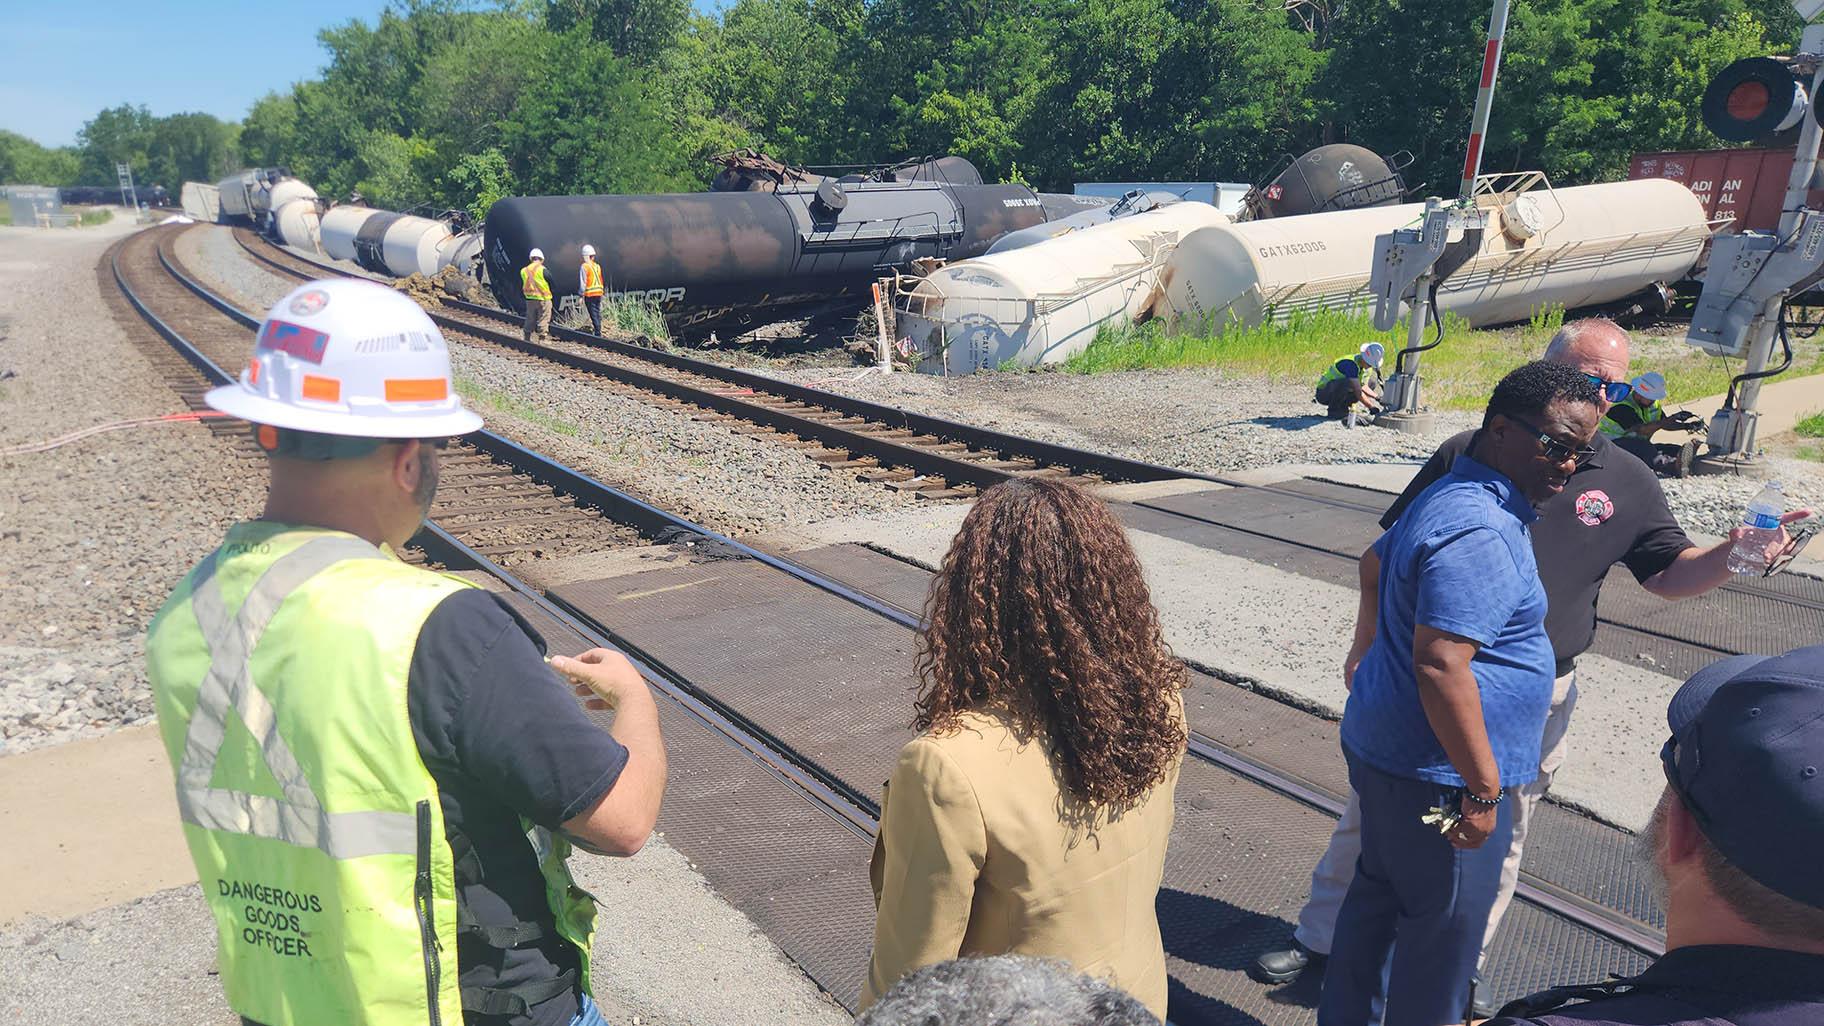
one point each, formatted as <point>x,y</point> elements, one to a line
<point>981,852</point>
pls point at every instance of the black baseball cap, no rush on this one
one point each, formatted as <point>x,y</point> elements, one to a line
<point>1747,757</point>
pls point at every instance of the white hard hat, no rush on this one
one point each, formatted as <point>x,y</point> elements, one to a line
<point>1650,386</point>
<point>348,357</point>
<point>536,254</point>
<point>588,250</point>
<point>1373,353</point>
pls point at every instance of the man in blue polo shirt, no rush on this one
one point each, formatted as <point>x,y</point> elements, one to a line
<point>1448,708</point>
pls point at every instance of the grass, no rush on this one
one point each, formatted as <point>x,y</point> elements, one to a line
<point>1810,427</point>
<point>100,215</point>
<point>6,213</point>
<point>1458,375</point>
<point>513,406</point>
<point>636,316</point>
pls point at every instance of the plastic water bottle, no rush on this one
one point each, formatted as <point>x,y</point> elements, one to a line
<point>1762,524</point>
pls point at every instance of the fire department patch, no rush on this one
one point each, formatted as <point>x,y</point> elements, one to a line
<point>1594,506</point>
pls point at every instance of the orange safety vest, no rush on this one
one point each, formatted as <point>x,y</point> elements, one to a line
<point>592,278</point>
<point>532,282</point>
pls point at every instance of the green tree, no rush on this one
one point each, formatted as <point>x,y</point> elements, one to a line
<point>636,30</point>
<point>269,132</point>
<point>117,135</point>
<point>24,162</point>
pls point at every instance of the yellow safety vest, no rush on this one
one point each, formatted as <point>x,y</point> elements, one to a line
<point>1363,373</point>
<point>532,283</point>
<point>1648,414</point>
<point>279,670</point>
<point>592,278</point>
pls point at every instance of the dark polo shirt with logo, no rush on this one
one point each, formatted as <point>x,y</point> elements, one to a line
<point>1612,511</point>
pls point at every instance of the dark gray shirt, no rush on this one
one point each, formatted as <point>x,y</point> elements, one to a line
<point>1611,511</point>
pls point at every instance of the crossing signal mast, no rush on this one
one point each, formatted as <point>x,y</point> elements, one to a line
<point>1752,275</point>
<point>1410,263</point>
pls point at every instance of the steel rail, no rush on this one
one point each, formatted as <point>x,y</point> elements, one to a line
<point>1598,919</point>
<point>830,795</point>
<point>1110,467</point>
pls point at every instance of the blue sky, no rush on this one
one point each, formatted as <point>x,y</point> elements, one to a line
<point>63,62</point>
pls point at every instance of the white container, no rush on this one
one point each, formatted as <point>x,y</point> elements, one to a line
<point>236,195</point>
<point>285,190</point>
<point>462,252</point>
<point>1044,302</point>
<point>297,224</point>
<point>410,246</point>
<point>339,227</point>
<point>201,201</point>
<point>1573,247</point>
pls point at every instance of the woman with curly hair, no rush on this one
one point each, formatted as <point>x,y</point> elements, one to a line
<point>1031,814</point>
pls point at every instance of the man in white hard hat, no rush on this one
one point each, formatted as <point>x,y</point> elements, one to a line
<point>589,284</point>
<point>1350,388</point>
<point>379,776</point>
<point>1632,423</point>
<point>537,293</point>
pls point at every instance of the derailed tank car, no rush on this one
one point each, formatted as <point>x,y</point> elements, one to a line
<point>706,257</point>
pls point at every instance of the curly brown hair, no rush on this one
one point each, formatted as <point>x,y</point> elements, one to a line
<point>1040,608</point>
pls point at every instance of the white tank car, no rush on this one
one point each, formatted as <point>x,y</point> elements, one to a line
<point>339,227</point>
<point>409,245</point>
<point>270,198</point>
<point>462,252</point>
<point>297,224</point>
<point>1573,247</point>
<point>1044,302</point>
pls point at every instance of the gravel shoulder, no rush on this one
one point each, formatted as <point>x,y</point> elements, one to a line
<point>93,535</point>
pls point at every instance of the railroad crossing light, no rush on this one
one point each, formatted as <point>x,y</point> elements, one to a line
<point>1754,98</point>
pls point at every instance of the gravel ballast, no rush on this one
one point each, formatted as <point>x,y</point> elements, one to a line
<point>1213,422</point>
<point>93,535</point>
<point>732,483</point>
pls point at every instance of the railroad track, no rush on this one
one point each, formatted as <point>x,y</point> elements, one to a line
<point>152,285</point>
<point>790,754</point>
<point>928,456</point>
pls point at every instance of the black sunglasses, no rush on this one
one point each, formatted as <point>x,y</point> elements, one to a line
<point>1555,450</point>
<point>1612,391</point>
<point>1800,533</point>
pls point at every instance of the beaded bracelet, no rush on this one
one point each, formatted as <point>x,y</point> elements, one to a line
<point>1489,803</point>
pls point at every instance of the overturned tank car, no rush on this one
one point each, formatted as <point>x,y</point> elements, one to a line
<point>707,258</point>
<point>1339,176</point>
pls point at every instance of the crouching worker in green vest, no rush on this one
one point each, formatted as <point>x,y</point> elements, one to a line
<point>379,776</point>
<point>1350,389</point>
<point>1634,421</point>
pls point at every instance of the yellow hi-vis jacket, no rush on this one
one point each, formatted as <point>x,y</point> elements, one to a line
<point>1647,414</point>
<point>592,279</point>
<point>532,283</point>
<point>279,670</point>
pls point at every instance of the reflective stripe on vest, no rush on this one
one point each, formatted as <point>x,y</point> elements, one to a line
<point>592,278</point>
<point>532,283</point>
<point>299,818</point>
<point>316,829</point>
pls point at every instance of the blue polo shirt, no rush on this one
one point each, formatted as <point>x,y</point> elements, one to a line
<point>1459,560</point>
